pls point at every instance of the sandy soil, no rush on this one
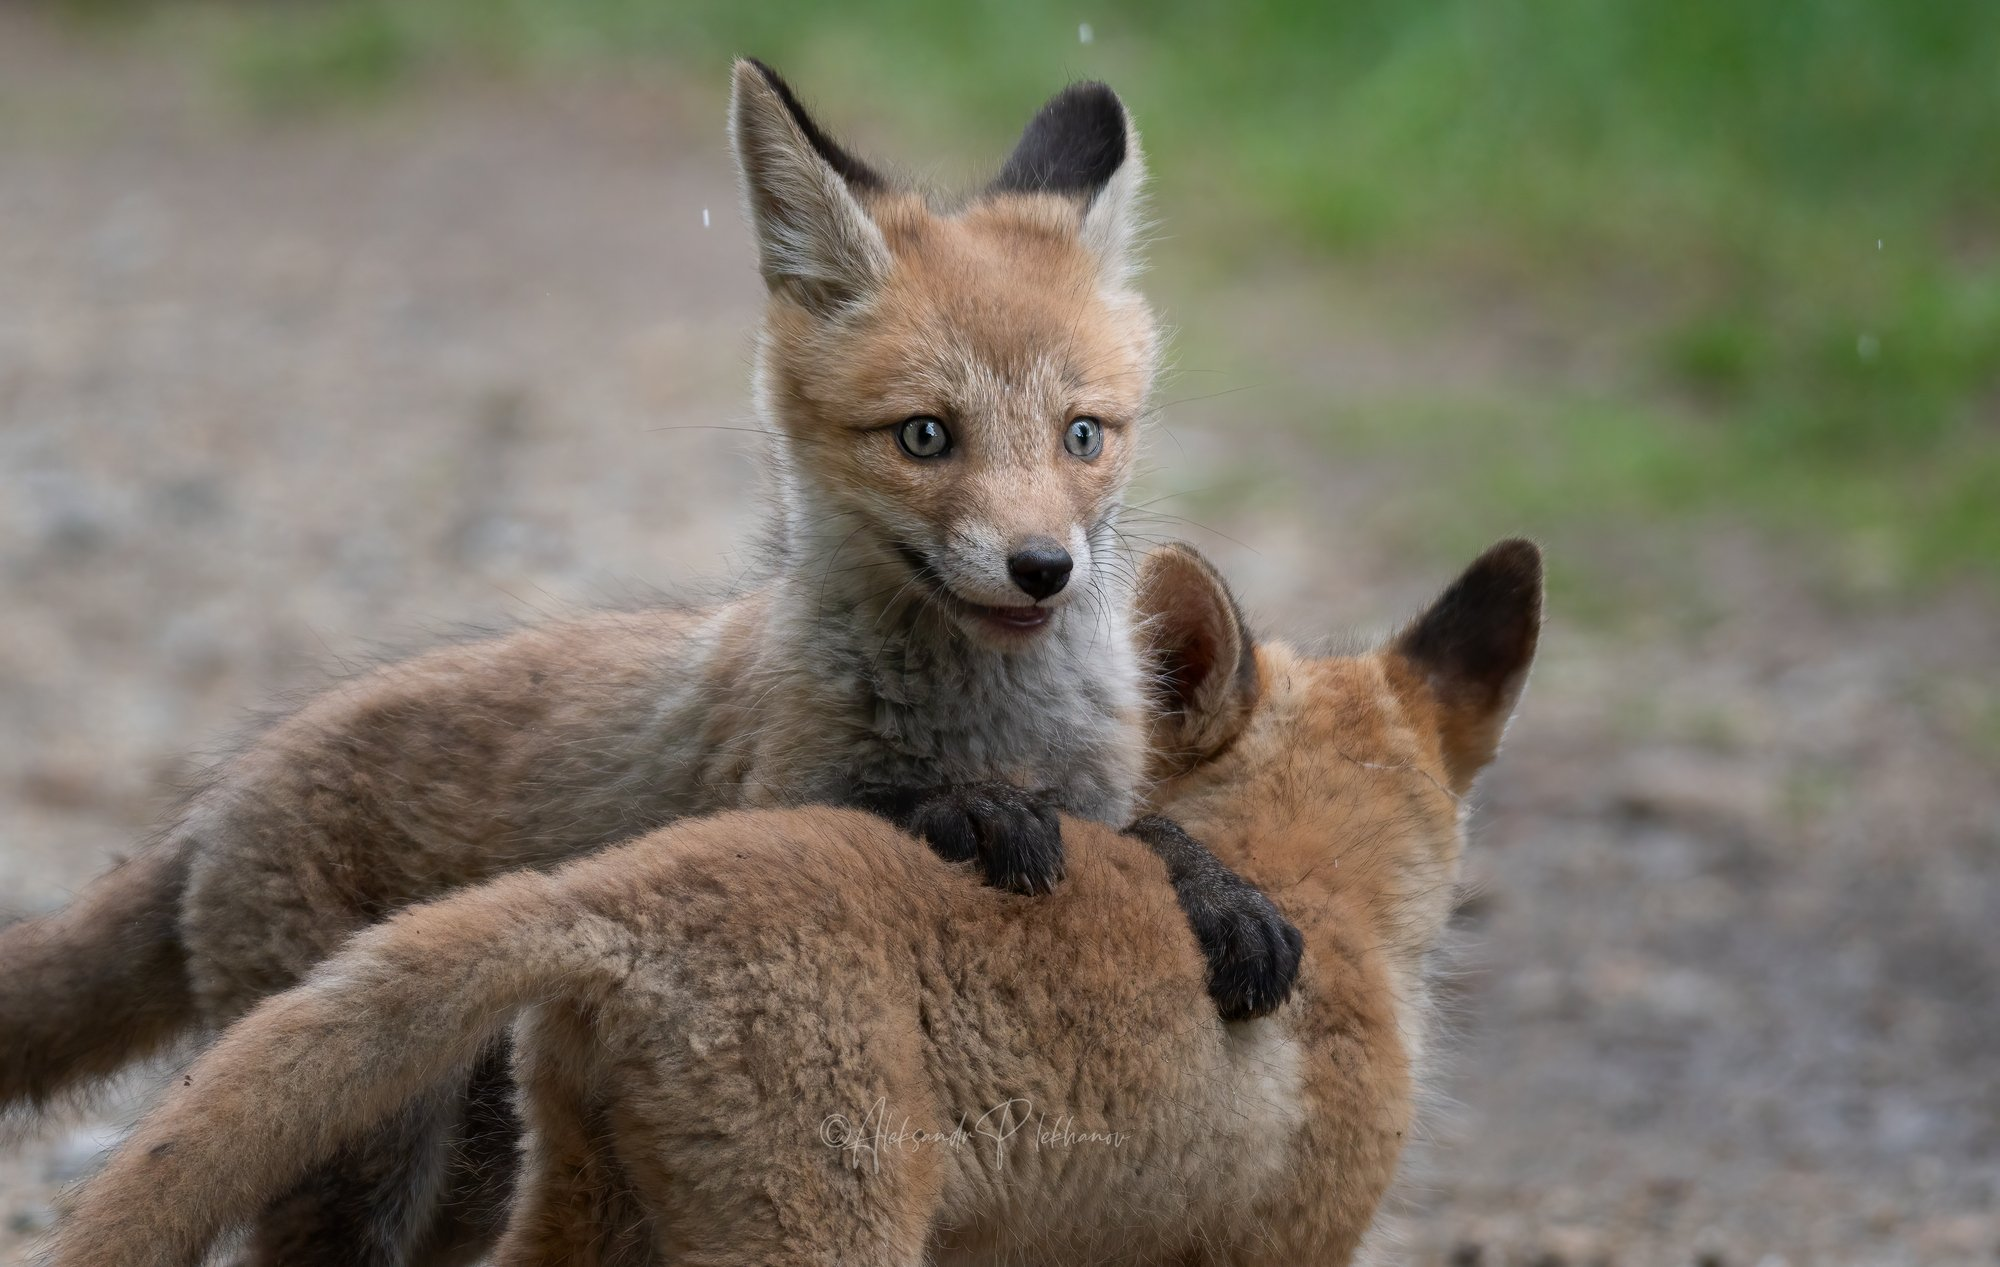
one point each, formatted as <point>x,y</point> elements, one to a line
<point>275,397</point>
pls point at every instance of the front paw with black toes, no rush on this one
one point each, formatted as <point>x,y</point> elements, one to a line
<point>1253,951</point>
<point>1013,835</point>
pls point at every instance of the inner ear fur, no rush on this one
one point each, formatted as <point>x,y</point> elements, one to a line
<point>815,241</point>
<point>859,176</point>
<point>1202,656</point>
<point>1472,649</point>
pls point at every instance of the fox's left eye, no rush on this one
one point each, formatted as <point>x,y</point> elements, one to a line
<point>923,437</point>
<point>1085,437</point>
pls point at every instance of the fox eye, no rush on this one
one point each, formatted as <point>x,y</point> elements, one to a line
<point>923,437</point>
<point>1084,438</point>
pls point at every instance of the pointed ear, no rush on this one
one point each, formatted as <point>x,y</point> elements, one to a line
<point>815,242</point>
<point>1473,648</point>
<point>1202,657</point>
<point>1083,145</point>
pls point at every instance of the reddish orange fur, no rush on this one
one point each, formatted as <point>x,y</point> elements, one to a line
<point>702,1002</point>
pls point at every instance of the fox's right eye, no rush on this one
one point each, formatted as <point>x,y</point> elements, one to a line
<point>923,437</point>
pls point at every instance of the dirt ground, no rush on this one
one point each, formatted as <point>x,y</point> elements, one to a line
<point>274,397</point>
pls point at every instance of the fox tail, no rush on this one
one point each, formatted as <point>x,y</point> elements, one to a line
<point>408,1004</point>
<point>92,987</point>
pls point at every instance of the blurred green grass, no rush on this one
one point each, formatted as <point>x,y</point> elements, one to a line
<point>1793,210</point>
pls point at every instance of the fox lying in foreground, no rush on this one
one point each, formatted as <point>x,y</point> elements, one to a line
<point>797,1037</point>
<point>954,399</point>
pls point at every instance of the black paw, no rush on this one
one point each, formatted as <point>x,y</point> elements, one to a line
<point>1253,951</point>
<point>1013,835</point>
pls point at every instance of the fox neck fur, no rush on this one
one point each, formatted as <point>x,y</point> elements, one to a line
<point>863,680</point>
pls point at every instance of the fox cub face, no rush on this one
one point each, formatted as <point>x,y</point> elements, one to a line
<point>958,393</point>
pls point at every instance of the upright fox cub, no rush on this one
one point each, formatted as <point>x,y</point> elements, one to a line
<point>955,399</point>
<point>865,1060</point>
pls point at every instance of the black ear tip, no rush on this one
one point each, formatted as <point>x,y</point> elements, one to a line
<point>1094,98</point>
<point>1088,108</point>
<point>1505,581</point>
<point>1073,145</point>
<point>1515,564</point>
<point>1484,627</point>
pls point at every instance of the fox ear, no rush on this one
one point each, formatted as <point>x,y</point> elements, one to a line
<point>1082,144</point>
<point>1202,656</point>
<point>1472,648</point>
<point>815,242</point>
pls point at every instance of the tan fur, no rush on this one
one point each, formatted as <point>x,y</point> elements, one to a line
<point>996,322</point>
<point>844,668</point>
<point>61,997</point>
<point>702,1011</point>
<point>532,748</point>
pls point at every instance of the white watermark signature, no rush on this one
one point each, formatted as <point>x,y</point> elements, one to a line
<point>1008,1125</point>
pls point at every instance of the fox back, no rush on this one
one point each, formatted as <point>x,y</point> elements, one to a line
<point>801,1038</point>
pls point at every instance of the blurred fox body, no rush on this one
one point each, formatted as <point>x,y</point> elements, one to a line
<point>950,394</point>
<point>798,1038</point>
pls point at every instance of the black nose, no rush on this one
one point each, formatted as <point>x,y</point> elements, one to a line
<point>1040,567</point>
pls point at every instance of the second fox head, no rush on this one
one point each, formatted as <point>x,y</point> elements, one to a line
<point>959,391</point>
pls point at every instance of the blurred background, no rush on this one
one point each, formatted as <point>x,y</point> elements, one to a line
<point>327,326</point>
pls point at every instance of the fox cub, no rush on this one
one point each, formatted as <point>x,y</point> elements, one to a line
<point>919,1071</point>
<point>955,398</point>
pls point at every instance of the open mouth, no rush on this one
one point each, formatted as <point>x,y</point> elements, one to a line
<point>1011,618</point>
<point>1002,620</point>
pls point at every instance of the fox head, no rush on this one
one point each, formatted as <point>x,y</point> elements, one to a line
<point>1291,760</point>
<point>957,391</point>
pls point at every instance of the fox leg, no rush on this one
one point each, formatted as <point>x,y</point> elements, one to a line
<point>369,1205</point>
<point>1253,951</point>
<point>484,1167</point>
<point>573,1205</point>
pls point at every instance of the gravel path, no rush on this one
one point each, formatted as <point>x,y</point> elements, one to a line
<point>272,398</point>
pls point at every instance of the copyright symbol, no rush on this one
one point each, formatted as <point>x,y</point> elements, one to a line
<point>836,1131</point>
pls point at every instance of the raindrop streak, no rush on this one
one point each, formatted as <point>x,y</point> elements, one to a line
<point>1867,347</point>
<point>704,217</point>
<point>1084,34</point>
